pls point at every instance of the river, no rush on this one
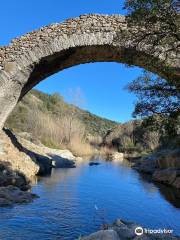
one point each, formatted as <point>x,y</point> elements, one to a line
<point>78,201</point>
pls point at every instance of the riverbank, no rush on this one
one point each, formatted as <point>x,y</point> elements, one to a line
<point>20,161</point>
<point>14,187</point>
<point>163,166</point>
<point>125,230</point>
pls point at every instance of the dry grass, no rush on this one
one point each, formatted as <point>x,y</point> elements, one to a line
<point>106,152</point>
<point>81,149</point>
<point>65,132</point>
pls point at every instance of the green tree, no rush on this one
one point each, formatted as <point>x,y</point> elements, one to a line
<point>160,16</point>
<point>155,96</point>
<point>158,102</point>
<point>158,26</point>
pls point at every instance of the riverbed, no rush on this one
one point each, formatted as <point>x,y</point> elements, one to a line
<point>77,201</point>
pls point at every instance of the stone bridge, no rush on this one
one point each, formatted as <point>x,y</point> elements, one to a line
<point>29,59</point>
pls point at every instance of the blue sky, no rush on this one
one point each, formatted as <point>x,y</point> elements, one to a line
<point>101,84</point>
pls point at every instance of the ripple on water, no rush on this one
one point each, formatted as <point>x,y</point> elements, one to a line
<point>66,207</point>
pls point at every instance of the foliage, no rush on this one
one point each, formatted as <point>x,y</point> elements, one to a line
<point>54,106</point>
<point>158,102</point>
<point>160,16</point>
<point>158,99</point>
<point>157,27</point>
<point>155,96</point>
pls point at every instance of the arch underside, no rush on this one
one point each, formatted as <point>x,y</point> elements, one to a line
<point>59,61</point>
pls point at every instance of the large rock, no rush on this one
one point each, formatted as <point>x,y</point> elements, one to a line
<point>10,195</point>
<point>13,178</point>
<point>49,157</point>
<point>123,230</point>
<point>176,183</point>
<point>31,159</point>
<point>146,165</point>
<point>17,160</point>
<point>117,156</point>
<point>103,235</point>
<point>168,159</point>
<point>45,164</point>
<point>168,176</point>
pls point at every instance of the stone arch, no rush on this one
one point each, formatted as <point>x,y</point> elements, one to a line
<point>88,38</point>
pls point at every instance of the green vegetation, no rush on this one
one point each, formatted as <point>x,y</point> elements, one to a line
<point>158,103</point>
<point>56,106</point>
<point>56,123</point>
<point>158,99</point>
<point>160,17</point>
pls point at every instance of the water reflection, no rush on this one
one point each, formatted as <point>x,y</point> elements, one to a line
<point>60,177</point>
<point>65,209</point>
<point>172,195</point>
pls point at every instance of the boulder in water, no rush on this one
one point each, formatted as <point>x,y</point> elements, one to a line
<point>94,163</point>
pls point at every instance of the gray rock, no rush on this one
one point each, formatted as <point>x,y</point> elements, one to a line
<point>146,167</point>
<point>124,230</point>
<point>10,195</point>
<point>166,176</point>
<point>176,183</point>
<point>9,177</point>
<point>103,235</point>
<point>168,159</point>
<point>4,202</point>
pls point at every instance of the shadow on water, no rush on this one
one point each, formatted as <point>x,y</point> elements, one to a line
<point>172,195</point>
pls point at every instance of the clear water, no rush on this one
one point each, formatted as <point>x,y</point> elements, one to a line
<point>68,200</point>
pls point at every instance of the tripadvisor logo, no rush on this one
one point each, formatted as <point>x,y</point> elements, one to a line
<point>140,231</point>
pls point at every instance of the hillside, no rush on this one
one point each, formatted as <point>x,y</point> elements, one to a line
<point>54,105</point>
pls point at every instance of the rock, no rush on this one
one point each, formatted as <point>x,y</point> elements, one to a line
<point>103,235</point>
<point>48,158</point>
<point>17,160</point>
<point>10,195</point>
<point>9,177</point>
<point>94,163</point>
<point>5,202</point>
<point>163,166</point>
<point>166,176</point>
<point>123,230</point>
<point>145,167</point>
<point>66,154</point>
<point>118,223</point>
<point>60,162</point>
<point>45,164</point>
<point>144,237</point>
<point>117,156</point>
<point>146,164</point>
<point>176,183</point>
<point>168,159</point>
